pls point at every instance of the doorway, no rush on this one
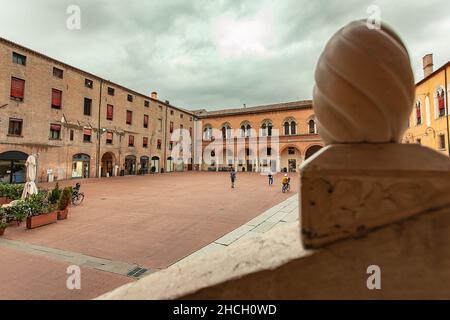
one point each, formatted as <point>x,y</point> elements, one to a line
<point>80,165</point>
<point>12,166</point>
<point>108,161</point>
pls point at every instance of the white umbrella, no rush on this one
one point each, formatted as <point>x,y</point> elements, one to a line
<point>30,186</point>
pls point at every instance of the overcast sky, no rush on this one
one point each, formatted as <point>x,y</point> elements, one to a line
<point>214,54</point>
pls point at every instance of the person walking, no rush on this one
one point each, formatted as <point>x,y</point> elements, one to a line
<point>232,177</point>
<point>270,175</point>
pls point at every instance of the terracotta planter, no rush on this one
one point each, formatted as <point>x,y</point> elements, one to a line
<point>2,231</point>
<point>41,220</point>
<point>62,214</point>
<point>4,200</point>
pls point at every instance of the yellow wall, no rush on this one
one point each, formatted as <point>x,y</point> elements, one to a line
<point>432,125</point>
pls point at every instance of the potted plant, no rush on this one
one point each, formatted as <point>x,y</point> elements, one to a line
<point>5,191</point>
<point>16,212</point>
<point>64,202</point>
<point>55,194</point>
<point>40,212</point>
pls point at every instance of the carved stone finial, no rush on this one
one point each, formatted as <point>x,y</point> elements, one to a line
<point>363,180</point>
<point>364,86</point>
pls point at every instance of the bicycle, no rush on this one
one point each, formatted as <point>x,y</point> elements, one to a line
<point>77,196</point>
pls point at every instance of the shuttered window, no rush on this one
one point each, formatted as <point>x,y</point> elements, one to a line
<point>55,131</point>
<point>145,121</point>
<point>109,112</point>
<point>17,89</point>
<point>145,142</point>
<point>131,141</point>
<point>158,145</point>
<point>87,133</point>
<point>129,116</point>
<point>56,99</point>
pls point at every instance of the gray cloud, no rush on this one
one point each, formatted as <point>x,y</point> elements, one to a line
<point>214,54</point>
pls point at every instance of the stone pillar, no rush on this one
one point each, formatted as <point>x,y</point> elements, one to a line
<point>364,178</point>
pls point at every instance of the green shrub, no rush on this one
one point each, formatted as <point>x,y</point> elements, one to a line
<point>37,204</point>
<point>3,219</point>
<point>55,194</point>
<point>12,191</point>
<point>18,212</point>
<point>65,199</point>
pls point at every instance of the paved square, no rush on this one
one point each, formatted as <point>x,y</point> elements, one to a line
<point>152,221</point>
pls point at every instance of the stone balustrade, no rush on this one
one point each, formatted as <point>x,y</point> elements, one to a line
<point>366,202</point>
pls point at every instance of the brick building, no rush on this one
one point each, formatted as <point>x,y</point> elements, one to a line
<point>288,130</point>
<point>78,124</point>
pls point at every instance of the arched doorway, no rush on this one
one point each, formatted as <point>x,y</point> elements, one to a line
<point>12,166</point>
<point>130,165</point>
<point>80,165</point>
<point>290,159</point>
<point>154,165</point>
<point>169,164</point>
<point>311,151</point>
<point>108,162</point>
<point>145,161</point>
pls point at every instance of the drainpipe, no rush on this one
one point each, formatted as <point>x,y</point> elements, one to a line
<point>165,144</point>
<point>446,105</point>
<point>99,135</point>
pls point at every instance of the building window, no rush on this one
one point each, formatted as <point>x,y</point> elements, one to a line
<point>159,124</point>
<point>291,150</point>
<point>17,89</point>
<point>71,135</point>
<point>226,131</point>
<point>55,131</point>
<point>418,113</point>
<point>181,116</point>
<point>131,141</point>
<point>19,59</point>
<point>190,132</point>
<point>88,83</point>
<point>15,127</point>
<point>144,142</point>
<point>266,128</point>
<point>146,103</point>
<point>269,151</point>
<point>145,121</point>
<point>207,133</point>
<point>158,144</point>
<point>87,133</point>
<point>111,91</point>
<point>190,118</point>
<point>171,112</point>
<point>441,141</point>
<point>129,116</point>
<point>170,145</point>
<point>56,99</point>
<point>441,102</point>
<point>109,112</point>
<point>58,73</point>
<point>87,107</point>
<point>290,127</point>
<point>130,98</point>
<point>171,127</point>
<point>109,137</point>
<point>312,126</point>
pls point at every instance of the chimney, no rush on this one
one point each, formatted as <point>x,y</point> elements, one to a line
<point>154,95</point>
<point>427,65</point>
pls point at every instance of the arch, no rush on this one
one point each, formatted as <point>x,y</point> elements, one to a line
<point>289,126</point>
<point>130,165</point>
<point>225,128</point>
<point>290,158</point>
<point>144,164</point>
<point>207,132</point>
<point>310,151</point>
<point>169,164</point>
<point>108,163</point>
<point>154,165</point>
<point>312,126</point>
<point>81,164</point>
<point>266,128</point>
<point>12,166</point>
<point>245,129</point>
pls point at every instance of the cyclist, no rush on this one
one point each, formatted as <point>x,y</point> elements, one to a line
<point>286,180</point>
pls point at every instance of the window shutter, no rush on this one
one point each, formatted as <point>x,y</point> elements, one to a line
<point>56,127</point>
<point>87,132</point>
<point>109,112</point>
<point>145,141</point>
<point>56,97</point>
<point>130,140</point>
<point>17,88</point>
<point>441,102</point>
<point>109,136</point>
<point>145,120</point>
<point>129,116</point>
